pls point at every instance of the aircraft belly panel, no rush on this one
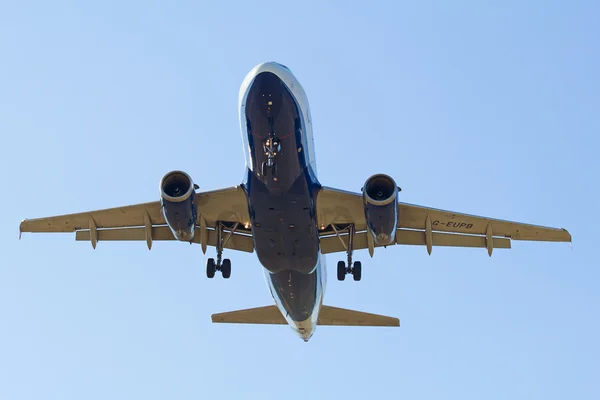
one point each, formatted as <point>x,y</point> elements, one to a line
<point>279,184</point>
<point>283,226</point>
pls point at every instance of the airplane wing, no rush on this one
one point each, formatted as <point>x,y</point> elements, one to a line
<point>146,222</point>
<point>419,225</point>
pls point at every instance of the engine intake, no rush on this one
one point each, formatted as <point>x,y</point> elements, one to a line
<point>380,194</point>
<point>178,201</point>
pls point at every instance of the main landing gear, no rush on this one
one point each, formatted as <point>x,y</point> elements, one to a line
<point>344,268</point>
<point>224,267</point>
<point>220,265</point>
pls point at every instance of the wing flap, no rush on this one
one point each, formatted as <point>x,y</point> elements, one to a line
<point>408,237</point>
<point>236,241</point>
<point>332,244</point>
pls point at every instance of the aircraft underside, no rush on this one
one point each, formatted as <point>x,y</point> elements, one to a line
<point>281,190</point>
<point>287,217</point>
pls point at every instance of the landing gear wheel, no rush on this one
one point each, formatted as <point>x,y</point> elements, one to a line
<point>210,268</point>
<point>226,268</point>
<point>341,270</point>
<point>357,271</point>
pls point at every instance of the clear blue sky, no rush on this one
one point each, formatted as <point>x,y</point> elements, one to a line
<point>489,109</point>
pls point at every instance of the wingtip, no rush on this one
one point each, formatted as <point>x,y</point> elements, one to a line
<point>21,228</point>
<point>568,237</point>
<point>570,241</point>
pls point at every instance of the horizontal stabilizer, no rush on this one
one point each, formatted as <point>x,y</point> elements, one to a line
<point>261,315</point>
<point>328,316</point>
<point>343,317</point>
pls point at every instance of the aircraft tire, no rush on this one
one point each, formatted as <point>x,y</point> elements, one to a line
<point>210,268</point>
<point>341,270</point>
<point>357,271</point>
<point>226,268</point>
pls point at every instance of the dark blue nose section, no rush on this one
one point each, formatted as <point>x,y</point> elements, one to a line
<point>279,186</point>
<point>267,94</point>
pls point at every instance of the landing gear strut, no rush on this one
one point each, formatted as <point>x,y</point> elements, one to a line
<point>220,265</point>
<point>344,268</point>
<point>271,147</point>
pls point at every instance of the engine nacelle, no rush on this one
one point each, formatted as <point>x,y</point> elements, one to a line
<point>178,200</point>
<point>380,196</point>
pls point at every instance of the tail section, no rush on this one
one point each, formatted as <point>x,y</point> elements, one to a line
<point>327,316</point>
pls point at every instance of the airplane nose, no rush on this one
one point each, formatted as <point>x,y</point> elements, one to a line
<point>281,65</point>
<point>270,66</point>
<point>267,74</point>
<point>266,81</point>
<point>268,91</point>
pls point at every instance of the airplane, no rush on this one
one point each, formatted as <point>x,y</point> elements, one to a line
<point>283,213</point>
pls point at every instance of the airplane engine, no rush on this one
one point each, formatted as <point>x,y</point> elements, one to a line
<point>380,194</point>
<point>178,200</point>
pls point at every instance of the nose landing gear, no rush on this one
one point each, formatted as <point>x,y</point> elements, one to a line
<point>271,147</point>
